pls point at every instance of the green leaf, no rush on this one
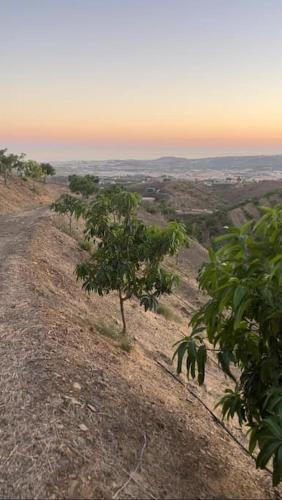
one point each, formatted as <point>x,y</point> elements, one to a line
<point>239,295</point>
<point>277,467</point>
<point>201,362</point>
<point>266,453</point>
<point>240,312</point>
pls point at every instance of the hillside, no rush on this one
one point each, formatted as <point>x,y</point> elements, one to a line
<point>20,195</point>
<point>206,209</point>
<point>82,418</point>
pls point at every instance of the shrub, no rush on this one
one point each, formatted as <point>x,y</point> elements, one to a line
<point>106,330</point>
<point>167,313</point>
<point>129,254</point>
<point>125,343</point>
<point>242,321</point>
<point>85,245</point>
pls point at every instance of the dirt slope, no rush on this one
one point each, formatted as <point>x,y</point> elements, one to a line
<point>21,195</point>
<point>79,417</point>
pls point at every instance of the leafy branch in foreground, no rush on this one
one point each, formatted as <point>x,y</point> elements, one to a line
<point>242,320</point>
<point>128,254</point>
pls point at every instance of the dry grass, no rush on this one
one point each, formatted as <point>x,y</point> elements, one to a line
<point>107,330</point>
<point>85,245</point>
<point>126,343</point>
<point>111,331</point>
<point>20,195</point>
<point>168,313</point>
<point>69,227</point>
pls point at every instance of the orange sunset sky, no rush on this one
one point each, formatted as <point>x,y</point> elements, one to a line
<point>106,79</point>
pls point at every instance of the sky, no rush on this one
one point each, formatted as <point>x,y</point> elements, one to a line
<point>99,79</point>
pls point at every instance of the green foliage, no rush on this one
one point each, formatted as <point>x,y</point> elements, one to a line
<point>128,254</point>
<point>204,226</point>
<point>243,322</point>
<point>150,207</point>
<point>167,313</point>
<point>9,162</point>
<point>25,169</point>
<point>70,206</point>
<point>33,170</point>
<point>86,185</point>
<point>106,330</point>
<point>85,245</point>
<point>110,331</point>
<point>47,170</point>
<point>167,210</point>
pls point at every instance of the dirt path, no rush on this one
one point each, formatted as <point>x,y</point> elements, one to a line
<point>19,348</point>
<point>15,230</point>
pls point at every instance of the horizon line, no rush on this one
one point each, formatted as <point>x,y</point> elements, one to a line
<point>173,157</point>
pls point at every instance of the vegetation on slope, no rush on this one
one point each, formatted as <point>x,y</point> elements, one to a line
<point>242,320</point>
<point>26,169</point>
<point>127,254</point>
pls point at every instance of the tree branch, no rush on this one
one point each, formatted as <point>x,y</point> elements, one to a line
<point>139,463</point>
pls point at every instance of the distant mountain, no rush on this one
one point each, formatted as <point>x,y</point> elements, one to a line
<point>249,166</point>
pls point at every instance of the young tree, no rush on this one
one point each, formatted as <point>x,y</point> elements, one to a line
<point>68,205</point>
<point>21,167</point>
<point>47,170</point>
<point>33,170</point>
<point>86,185</point>
<point>242,320</point>
<point>128,254</point>
<point>8,162</point>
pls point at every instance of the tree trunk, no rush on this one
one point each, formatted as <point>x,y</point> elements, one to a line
<point>121,301</point>
<point>5,177</point>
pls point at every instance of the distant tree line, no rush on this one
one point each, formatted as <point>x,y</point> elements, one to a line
<point>26,169</point>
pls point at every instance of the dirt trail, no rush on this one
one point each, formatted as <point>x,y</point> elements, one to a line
<point>19,348</point>
<point>79,418</point>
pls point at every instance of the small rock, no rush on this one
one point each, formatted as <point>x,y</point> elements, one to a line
<point>83,427</point>
<point>77,386</point>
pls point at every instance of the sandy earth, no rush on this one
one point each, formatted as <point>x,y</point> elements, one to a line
<point>79,417</point>
<point>21,195</point>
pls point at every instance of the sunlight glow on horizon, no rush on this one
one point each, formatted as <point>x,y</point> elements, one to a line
<point>141,77</point>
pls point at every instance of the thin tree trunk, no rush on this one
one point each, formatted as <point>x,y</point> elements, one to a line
<point>5,177</point>
<point>121,301</point>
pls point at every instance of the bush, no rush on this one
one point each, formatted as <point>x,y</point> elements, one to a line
<point>85,245</point>
<point>125,343</point>
<point>106,330</point>
<point>167,313</point>
<point>242,321</point>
